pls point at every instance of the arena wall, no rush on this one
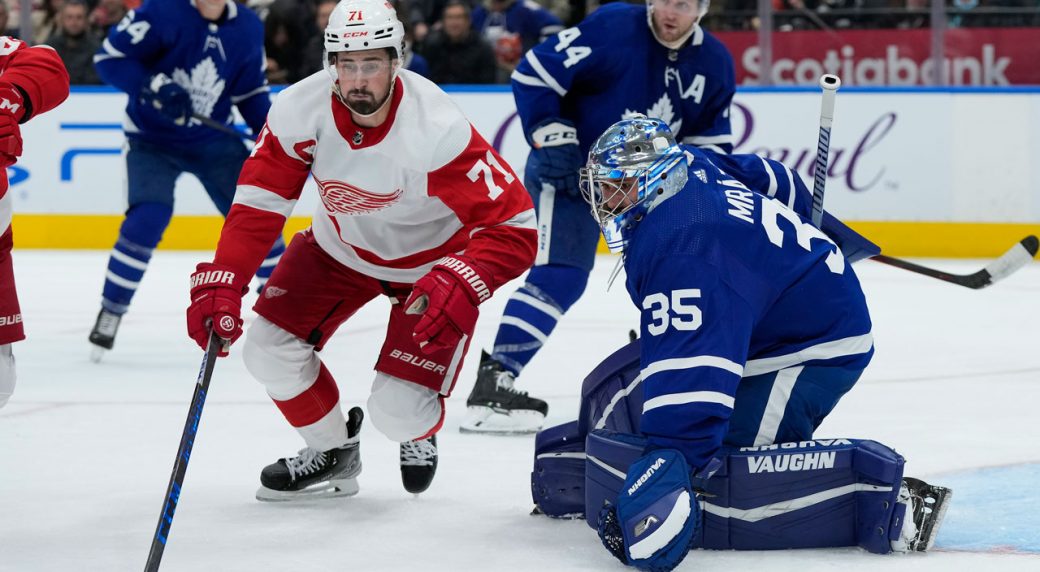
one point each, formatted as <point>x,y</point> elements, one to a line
<point>949,172</point>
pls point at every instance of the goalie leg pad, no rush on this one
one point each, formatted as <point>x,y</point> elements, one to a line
<point>608,456</point>
<point>809,494</point>
<point>558,478</point>
<point>612,394</point>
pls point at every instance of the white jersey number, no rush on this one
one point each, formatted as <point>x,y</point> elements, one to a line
<point>687,316</point>
<point>574,53</point>
<point>136,30</point>
<point>483,168</point>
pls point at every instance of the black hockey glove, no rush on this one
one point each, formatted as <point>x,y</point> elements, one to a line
<point>168,98</point>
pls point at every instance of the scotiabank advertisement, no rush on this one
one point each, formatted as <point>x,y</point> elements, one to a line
<point>894,156</point>
<point>973,57</point>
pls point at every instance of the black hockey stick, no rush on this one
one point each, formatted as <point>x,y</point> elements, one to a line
<point>1018,256</point>
<point>180,464</point>
<point>226,129</point>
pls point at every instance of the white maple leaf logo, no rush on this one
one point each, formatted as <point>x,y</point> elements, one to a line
<point>204,85</point>
<point>662,110</point>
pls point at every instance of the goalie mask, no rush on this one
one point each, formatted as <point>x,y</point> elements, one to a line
<point>358,25</point>
<point>633,167</point>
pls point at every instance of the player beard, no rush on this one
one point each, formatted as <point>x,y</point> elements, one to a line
<point>362,101</point>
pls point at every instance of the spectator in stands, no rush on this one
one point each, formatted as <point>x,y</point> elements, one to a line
<point>564,9</point>
<point>5,21</point>
<point>314,53</point>
<point>413,61</point>
<point>412,13</point>
<point>76,43</point>
<point>456,53</point>
<point>44,19</point>
<point>259,6</point>
<point>108,13</point>
<point>285,40</point>
<point>512,27</point>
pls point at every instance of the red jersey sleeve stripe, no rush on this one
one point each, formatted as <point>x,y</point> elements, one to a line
<point>262,199</point>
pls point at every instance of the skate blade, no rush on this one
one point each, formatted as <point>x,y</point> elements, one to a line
<point>488,421</point>
<point>331,489</point>
<point>942,496</point>
<point>96,353</point>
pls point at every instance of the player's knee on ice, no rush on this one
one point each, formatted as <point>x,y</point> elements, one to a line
<point>282,362</point>
<point>402,410</point>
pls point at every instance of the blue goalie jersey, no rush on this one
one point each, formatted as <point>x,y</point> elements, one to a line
<point>734,284</point>
<point>610,66</point>
<point>219,63</point>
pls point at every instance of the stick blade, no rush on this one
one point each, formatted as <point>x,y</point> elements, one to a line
<point>1011,261</point>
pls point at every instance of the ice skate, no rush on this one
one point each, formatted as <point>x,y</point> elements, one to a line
<point>926,507</point>
<point>316,474</point>
<point>496,407</point>
<point>103,335</point>
<point>418,464</point>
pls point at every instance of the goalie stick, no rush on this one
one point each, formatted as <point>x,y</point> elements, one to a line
<point>829,84</point>
<point>1016,257</point>
<point>180,464</point>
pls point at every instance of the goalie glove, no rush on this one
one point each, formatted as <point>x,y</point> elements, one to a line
<point>656,516</point>
<point>447,297</point>
<point>554,145</point>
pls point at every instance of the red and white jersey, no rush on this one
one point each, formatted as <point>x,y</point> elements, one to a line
<point>395,198</point>
<point>41,75</point>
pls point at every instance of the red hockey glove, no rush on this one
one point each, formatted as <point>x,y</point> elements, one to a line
<point>216,299</point>
<point>12,108</point>
<point>447,297</point>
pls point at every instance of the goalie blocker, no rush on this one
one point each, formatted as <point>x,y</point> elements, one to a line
<point>808,494</point>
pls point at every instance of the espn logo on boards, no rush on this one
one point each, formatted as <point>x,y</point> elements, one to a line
<point>418,361</point>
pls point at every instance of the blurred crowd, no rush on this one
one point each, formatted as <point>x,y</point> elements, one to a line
<point>481,41</point>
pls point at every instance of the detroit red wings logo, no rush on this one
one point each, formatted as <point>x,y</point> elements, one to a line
<point>344,198</point>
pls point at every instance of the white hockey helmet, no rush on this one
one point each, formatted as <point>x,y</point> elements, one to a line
<point>356,25</point>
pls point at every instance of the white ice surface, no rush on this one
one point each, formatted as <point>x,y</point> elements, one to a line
<point>86,449</point>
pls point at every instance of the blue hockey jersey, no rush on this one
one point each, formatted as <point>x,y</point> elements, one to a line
<point>525,18</point>
<point>219,63</point>
<point>733,283</point>
<point>610,66</point>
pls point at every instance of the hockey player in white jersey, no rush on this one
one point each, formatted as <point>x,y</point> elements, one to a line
<point>415,205</point>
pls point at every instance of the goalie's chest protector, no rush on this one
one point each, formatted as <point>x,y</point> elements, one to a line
<point>376,214</point>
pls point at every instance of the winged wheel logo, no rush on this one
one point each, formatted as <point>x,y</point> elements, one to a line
<point>343,198</point>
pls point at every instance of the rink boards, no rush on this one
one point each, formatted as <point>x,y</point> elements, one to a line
<point>923,172</point>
